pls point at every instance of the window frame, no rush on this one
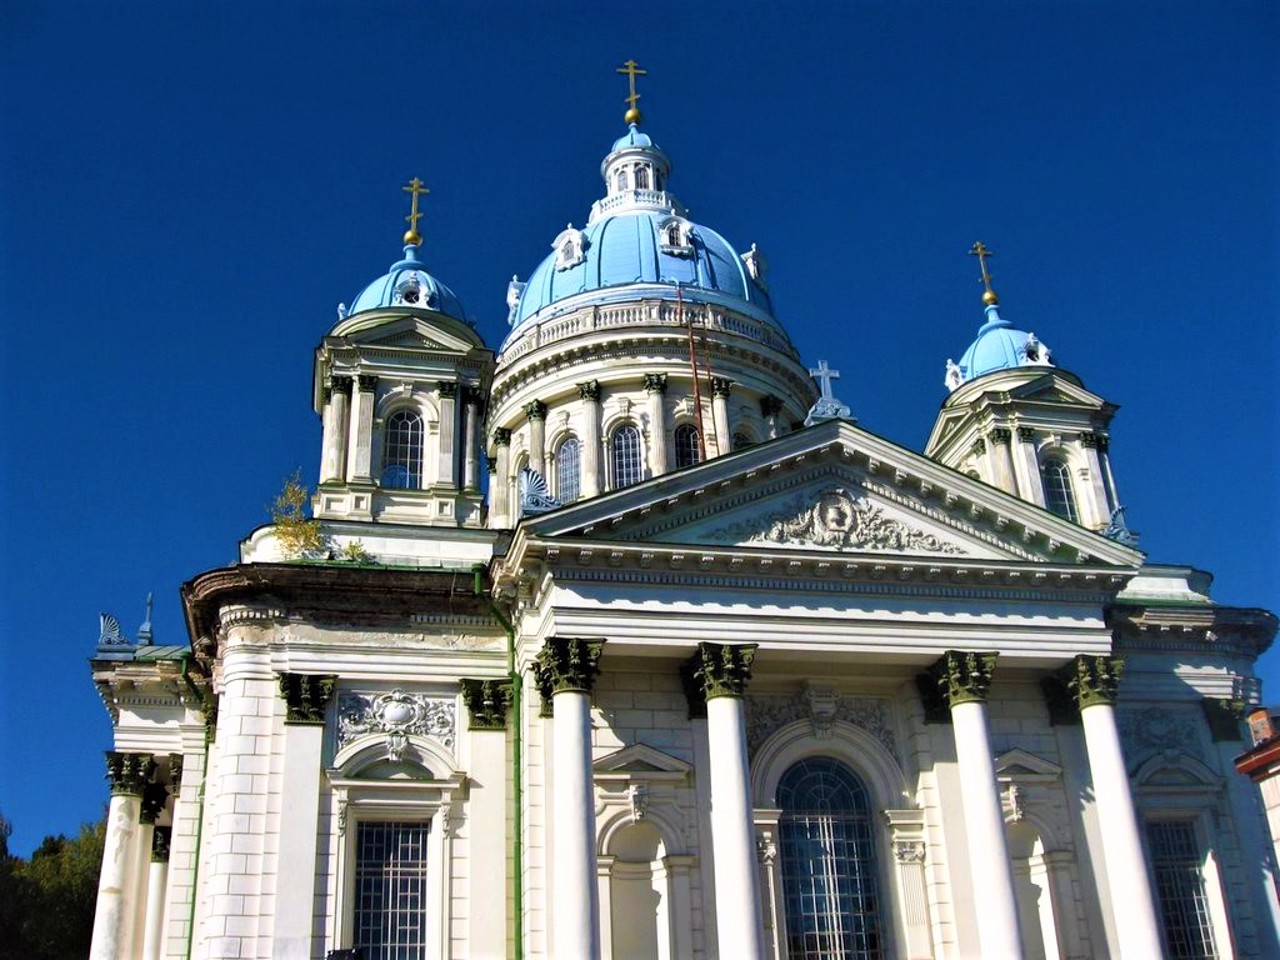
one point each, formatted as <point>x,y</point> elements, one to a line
<point>614,483</point>
<point>693,454</point>
<point>1058,462</point>
<point>559,469</point>
<point>386,447</point>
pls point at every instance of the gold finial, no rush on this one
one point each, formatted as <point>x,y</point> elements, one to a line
<point>632,70</point>
<point>982,251</point>
<point>411,236</point>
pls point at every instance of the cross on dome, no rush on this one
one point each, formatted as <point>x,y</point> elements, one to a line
<point>982,251</point>
<point>632,70</point>
<point>415,188</point>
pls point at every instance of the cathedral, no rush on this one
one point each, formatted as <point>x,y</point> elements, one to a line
<point>626,641</point>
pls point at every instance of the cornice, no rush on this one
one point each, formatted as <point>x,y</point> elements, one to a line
<point>1205,628</point>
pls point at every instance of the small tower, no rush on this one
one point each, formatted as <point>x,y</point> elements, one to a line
<point>1018,422</point>
<point>400,383</point>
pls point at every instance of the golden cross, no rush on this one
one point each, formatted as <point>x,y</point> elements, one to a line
<point>632,70</point>
<point>982,251</point>
<point>415,187</point>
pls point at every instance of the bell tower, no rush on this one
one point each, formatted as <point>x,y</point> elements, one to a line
<point>1017,421</point>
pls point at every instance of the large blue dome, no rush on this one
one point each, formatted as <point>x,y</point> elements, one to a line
<point>632,248</point>
<point>999,346</point>
<point>407,284</point>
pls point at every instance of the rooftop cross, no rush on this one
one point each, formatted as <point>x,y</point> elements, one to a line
<point>632,70</point>
<point>416,189</point>
<point>982,251</point>
<point>824,375</point>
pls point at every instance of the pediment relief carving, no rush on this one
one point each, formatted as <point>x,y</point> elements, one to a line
<point>408,338</point>
<point>839,517</point>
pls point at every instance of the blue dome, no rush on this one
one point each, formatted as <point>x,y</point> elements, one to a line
<point>617,252</point>
<point>998,347</point>
<point>407,284</point>
<point>633,138</point>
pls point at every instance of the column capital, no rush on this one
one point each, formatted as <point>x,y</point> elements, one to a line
<point>367,382</point>
<point>770,406</point>
<point>1092,681</point>
<point>721,669</point>
<point>979,447</point>
<point>472,395</point>
<point>340,383</point>
<point>535,410</point>
<point>447,388</point>
<point>154,797</point>
<point>1026,435</point>
<point>129,773</point>
<point>176,763</point>
<point>1097,440</point>
<point>160,841</point>
<point>491,464</point>
<point>1000,435</point>
<point>655,383</point>
<point>958,676</point>
<point>502,436</point>
<point>566,665</point>
<point>306,696</point>
<point>589,390</point>
<point>487,702</point>
<point>721,386</point>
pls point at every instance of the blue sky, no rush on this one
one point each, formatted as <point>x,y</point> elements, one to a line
<point>190,189</point>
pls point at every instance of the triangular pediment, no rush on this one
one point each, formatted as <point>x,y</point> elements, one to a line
<point>640,760</point>
<point>1019,764</point>
<point>832,489</point>
<point>1052,388</point>
<point>438,335</point>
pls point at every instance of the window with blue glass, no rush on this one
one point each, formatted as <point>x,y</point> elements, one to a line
<point>688,446</point>
<point>402,451</point>
<point>568,471</point>
<point>829,870</point>
<point>1058,495</point>
<point>627,467</point>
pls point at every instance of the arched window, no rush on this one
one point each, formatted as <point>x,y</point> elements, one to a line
<point>621,180</point>
<point>642,178</point>
<point>568,474</point>
<point>688,449</point>
<point>828,846</point>
<point>1057,489</point>
<point>402,451</point>
<point>626,463</point>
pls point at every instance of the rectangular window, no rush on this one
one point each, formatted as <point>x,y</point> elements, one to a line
<point>391,890</point>
<point>1178,871</point>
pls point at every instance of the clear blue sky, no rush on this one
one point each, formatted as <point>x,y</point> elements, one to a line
<point>190,189</point>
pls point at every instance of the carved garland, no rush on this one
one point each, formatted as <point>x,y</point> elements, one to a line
<point>397,715</point>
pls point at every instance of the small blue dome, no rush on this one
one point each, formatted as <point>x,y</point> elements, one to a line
<point>633,138</point>
<point>632,247</point>
<point>998,347</point>
<point>407,284</point>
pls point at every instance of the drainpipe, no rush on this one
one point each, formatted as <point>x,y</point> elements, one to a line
<point>517,762</point>
<point>204,779</point>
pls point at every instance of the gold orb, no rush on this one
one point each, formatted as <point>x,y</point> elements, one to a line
<point>990,298</point>
<point>633,116</point>
<point>412,238</point>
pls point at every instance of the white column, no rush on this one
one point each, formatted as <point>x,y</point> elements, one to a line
<point>566,670</point>
<point>157,885</point>
<point>963,679</point>
<point>487,843</point>
<point>1001,441</point>
<point>1095,509</point>
<point>142,893</point>
<point>1094,683</point>
<point>333,461</point>
<point>114,913</point>
<point>706,842</point>
<point>360,442</point>
<point>470,433</point>
<point>499,482</point>
<point>655,385</point>
<point>721,671</point>
<point>447,466</point>
<point>590,448</point>
<point>306,697</point>
<point>720,387</point>
<point>1025,470</point>
<point>537,414</point>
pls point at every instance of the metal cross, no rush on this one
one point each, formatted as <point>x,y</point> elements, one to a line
<point>982,251</point>
<point>824,375</point>
<point>632,70</point>
<point>415,188</point>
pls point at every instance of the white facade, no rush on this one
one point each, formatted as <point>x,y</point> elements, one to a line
<point>808,694</point>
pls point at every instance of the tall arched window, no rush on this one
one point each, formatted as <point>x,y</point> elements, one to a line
<point>621,180</point>
<point>642,178</point>
<point>688,451</point>
<point>402,451</point>
<point>1057,489</point>
<point>568,473</point>
<point>626,463</point>
<point>829,880</point>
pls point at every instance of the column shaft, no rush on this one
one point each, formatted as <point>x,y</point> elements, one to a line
<point>500,491</point>
<point>658,458</point>
<point>538,446</point>
<point>360,442</point>
<point>575,900</point>
<point>153,929</point>
<point>334,462</point>
<point>295,897</point>
<point>1137,928</point>
<point>447,468</point>
<point>984,822</point>
<point>1001,441</point>
<point>470,457</point>
<point>591,442</point>
<point>733,833</point>
<point>113,916</point>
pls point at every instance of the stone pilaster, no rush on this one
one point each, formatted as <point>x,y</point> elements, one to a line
<point>487,702</point>
<point>500,489</point>
<point>360,441</point>
<point>472,400</point>
<point>721,672</point>
<point>447,468</point>
<point>655,387</point>
<point>1001,441</point>
<point>306,696</point>
<point>589,394</point>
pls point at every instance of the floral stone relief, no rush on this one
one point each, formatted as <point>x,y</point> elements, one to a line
<point>767,715</point>
<point>396,714</point>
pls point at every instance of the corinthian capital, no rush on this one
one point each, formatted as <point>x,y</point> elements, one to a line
<point>721,669</point>
<point>958,676</point>
<point>129,773</point>
<point>1093,680</point>
<point>566,665</point>
<point>306,696</point>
